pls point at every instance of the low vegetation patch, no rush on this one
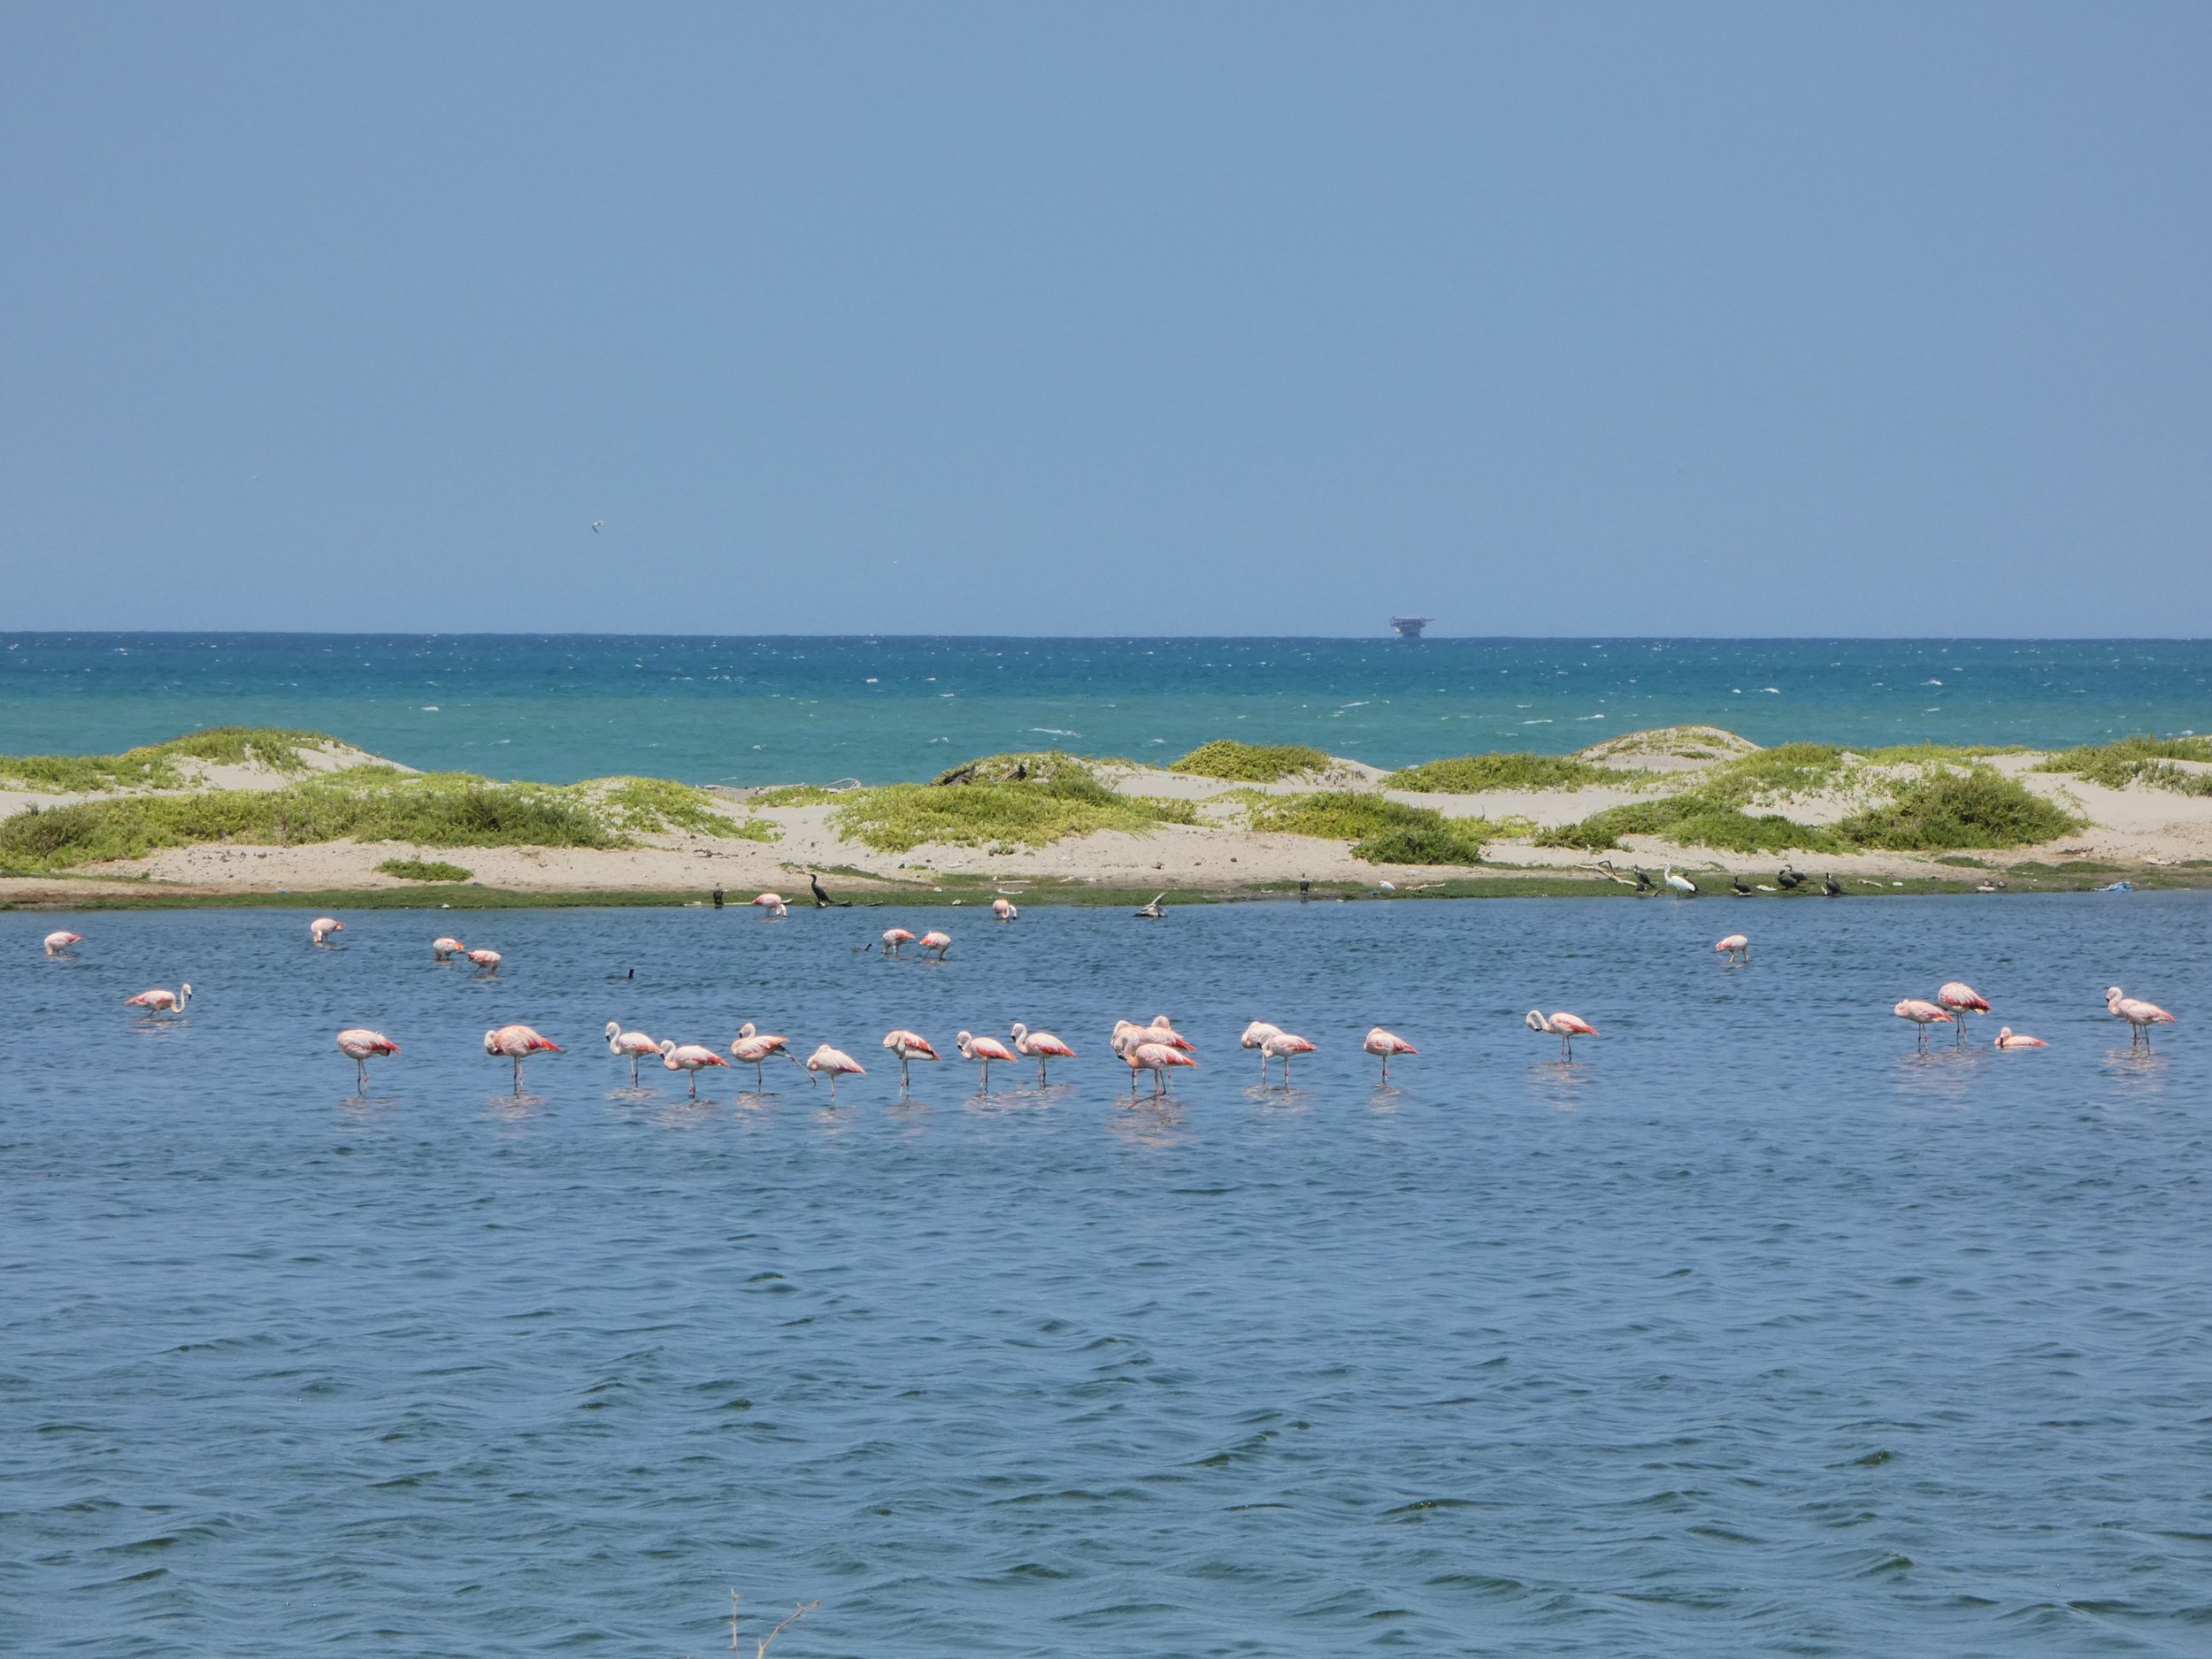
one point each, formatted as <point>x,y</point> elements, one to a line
<point>1472,774</point>
<point>154,765</point>
<point>655,806</point>
<point>1253,762</point>
<point>799,794</point>
<point>1010,800</point>
<point>1381,831</point>
<point>2148,760</point>
<point>1692,821</point>
<point>423,869</point>
<point>1675,742</point>
<point>1952,809</point>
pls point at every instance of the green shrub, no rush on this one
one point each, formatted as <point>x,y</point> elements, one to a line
<point>1951,809</point>
<point>799,794</point>
<point>1381,831</point>
<point>2138,759</point>
<point>1252,763</point>
<point>1017,800</point>
<point>1691,820</point>
<point>652,806</point>
<point>1472,774</point>
<point>153,766</point>
<point>420,870</point>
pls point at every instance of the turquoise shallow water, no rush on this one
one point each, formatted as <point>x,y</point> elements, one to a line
<point>771,711</point>
<point>1752,1330</point>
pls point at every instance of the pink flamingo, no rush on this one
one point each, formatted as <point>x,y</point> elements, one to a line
<point>518,1043</point>
<point>1003,909</point>
<point>1159,1058</point>
<point>772,904</point>
<point>487,960</point>
<point>357,1043</point>
<point>893,938</point>
<point>2007,1038</point>
<point>1923,1014</point>
<point>1257,1033</point>
<point>1383,1044</point>
<point>1282,1046</point>
<point>1735,947</point>
<point>838,1064</point>
<point>632,1045</point>
<point>1961,999</point>
<point>1042,1044</point>
<point>940,942</point>
<point>319,930</point>
<point>986,1049</point>
<point>2139,1015</point>
<point>752,1048</point>
<point>444,947</point>
<point>57,943</point>
<point>1564,1026</point>
<point>909,1046</point>
<point>689,1056</point>
<point>1161,1030</point>
<point>161,1002</point>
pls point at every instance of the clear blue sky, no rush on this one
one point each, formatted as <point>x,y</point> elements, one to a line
<point>1047,318</point>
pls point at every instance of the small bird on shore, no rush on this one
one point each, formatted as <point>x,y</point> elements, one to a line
<point>1833,888</point>
<point>1644,883</point>
<point>57,943</point>
<point>1736,884</point>
<point>822,900</point>
<point>518,1043</point>
<point>1564,1026</point>
<point>1382,1044</point>
<point>1042,1044</point>
<point>633,1045</point>
<point>158,1001</point>
<point>358,1044</point>
<point>1923,1014</point>
<point>1736,947</point>
<point>1789,878</point>
<point>693,1058</point>
<point>836,1063</point>
<point>2139,1015</point>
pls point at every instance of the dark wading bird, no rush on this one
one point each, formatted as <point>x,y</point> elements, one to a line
<point>1789,877</point>
<point>1833,888</point>
<point>1737,883</point>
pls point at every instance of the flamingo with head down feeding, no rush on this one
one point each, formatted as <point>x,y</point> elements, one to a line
<point>319,930</point>
<point>633,1045</point>
<point>445,948</point>
<point>1736,947</point>
<point>57,943</point>
<point>937,943</point>
<point>1384,1044</point>
<point>1562,1026</point>
<point>2139,1015</point>
<point>1003,909</point>
<point>1923,1014</point>
<point>1959,999</point>
<point>837,1063</point>
<point>893,938</point>
<point>1041,1044</point>
<point>985,1049</point>
<point>518,1043</point>
<point>358,1044</point>
<point>488,961</point>
<point>158,1001</point>
<point>772,904</point>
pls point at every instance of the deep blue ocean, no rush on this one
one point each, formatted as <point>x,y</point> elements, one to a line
<point>1750,1332</point>
<point>758,711</point>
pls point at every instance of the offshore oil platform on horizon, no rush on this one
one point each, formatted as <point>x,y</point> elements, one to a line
<point>1409,627</point>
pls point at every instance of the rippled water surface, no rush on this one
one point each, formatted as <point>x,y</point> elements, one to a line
<point>1752,1331</point>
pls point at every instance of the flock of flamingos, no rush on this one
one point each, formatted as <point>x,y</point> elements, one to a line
<point>1158,1047</point>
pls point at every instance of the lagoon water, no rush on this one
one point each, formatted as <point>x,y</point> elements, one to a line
<point>1750,1332</point>
<point>802,710</point>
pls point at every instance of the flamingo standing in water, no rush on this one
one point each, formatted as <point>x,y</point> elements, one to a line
<point>1041,1044</point>
<point>57,943</point>
<point>1736,947</point>
<point>1923,1014</point>
<point>1257,1033</point>
<point>1383,1044</point>
<point>1282,1046</point>
<point>2007,1038</point>
<point>940,942</point>
<point>1159,1058</point>
<point>838,1064</point>
<point>488,961</point>
<point>1564,1026</point>
<point>445,948</point>
<point>319,930</point>
<point>985,1049</point>
<point>893,938</point>
<point>358,1044</point>
<point>2139,1015</point>
<point>1003,909</point>
<point>1959,1000</point>
<point>752,1048</point>
<point>689,1056</point>
<point>772,904</point>
<point>909,1046</point>
<point>518,1043</point>
<point>633,1045</point>
<point>161,1002</point>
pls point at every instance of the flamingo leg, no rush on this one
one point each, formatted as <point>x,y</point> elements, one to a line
<point>361,1077</point>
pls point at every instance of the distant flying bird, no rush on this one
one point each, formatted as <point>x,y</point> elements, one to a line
<point>57,943</point>
<point>1382,1044</point>
<point>1042,1044</point>
<point>357,1045</point>
<point>161,1002</point>
<point>2139,1015</point>
<point>596,525</point>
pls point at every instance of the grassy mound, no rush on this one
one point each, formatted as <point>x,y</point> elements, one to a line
<point>154,765</point>
<point>2138,760</point>
<point>1381,831</point>
<point>1001,800</point>
<point>1692,820</point>
<point>1951,809</point>
<point>1252,763</point>
<point>423,869</point>
<point>1471,774</point>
